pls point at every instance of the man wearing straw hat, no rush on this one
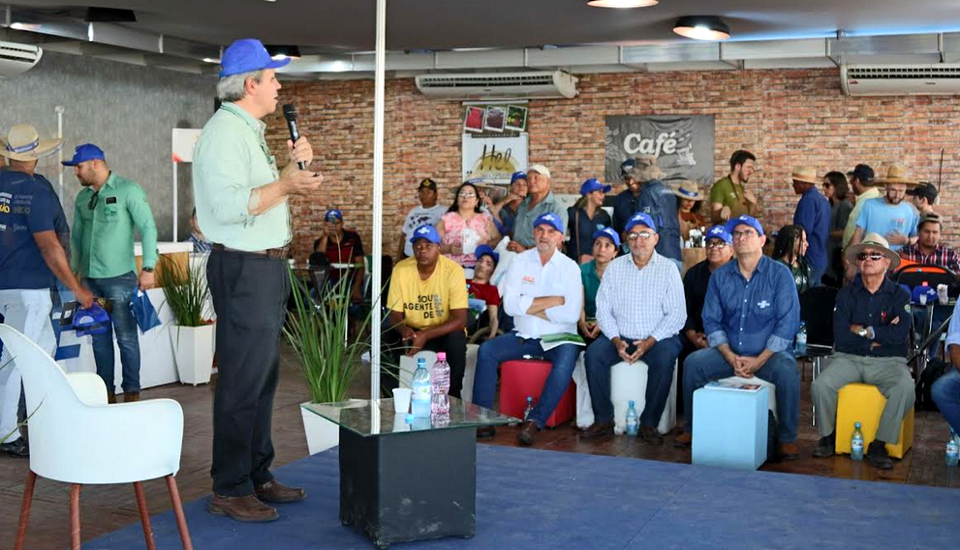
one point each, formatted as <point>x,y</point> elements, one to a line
<point>31,256</point>
<point>889,216</point>
<point>871,322</point>
<point>813,215</point>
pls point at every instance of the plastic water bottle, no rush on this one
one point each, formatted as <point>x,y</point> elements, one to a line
<point>856,443</point>
<point>420,400</point>
<point>801,344</point>
<point>953,450</point>
<point>633,423</point>
<point>440,382</point>
<point>529,409</point>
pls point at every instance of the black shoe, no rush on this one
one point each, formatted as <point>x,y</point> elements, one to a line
<point>18,448</point>
<point>878,457</point>
<point>486,432</point>
<point>826,447</point>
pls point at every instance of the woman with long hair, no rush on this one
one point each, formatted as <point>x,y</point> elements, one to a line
<point>465,227</point>
<point>790,249</point>
<point>837,191</point>
<point>584,219</point>
<point>689,200</point>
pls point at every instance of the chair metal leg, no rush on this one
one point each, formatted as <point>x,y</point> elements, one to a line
<point>25,510</point>
<point>144,516</point>
<point>814,371</point>
<point>75,516</point>
<point>178,512</point>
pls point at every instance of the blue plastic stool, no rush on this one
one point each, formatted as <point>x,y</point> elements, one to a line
<point>730,428</point>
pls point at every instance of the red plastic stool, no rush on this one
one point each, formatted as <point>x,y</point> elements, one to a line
<point>524,377</point>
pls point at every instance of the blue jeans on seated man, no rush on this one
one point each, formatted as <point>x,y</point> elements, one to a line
<point>120,290</point>
<point>508,347</point>
<point>660,360</point>
<point>708,364</point>
<point>946,394</point>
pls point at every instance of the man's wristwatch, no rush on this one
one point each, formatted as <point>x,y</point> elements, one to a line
<point>862,332</point>
<point>147,269</point>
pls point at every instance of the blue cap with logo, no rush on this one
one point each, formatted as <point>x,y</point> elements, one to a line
<point>331,214</point>
<point>92,320</point>
<point>83,153</point>
<point>247,55</point>
<point>744,220</point>
<point>485,250</point>
<point>593,184</point>
<point>627,167</point>
<point>609,233</point>
<point>640,219</point>
<point>719,232</point>
<point>427,232</point>
<point>521,175</point>
<point>551,219</point>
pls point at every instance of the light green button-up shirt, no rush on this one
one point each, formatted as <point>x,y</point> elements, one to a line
<point>231,160</point>
<point>101,243</point>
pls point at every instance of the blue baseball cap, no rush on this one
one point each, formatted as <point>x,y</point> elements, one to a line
<point>247,55</point>
<point>485,250</point>
<point>521,175</point>
<point>551,219</point>
<point>627,167</point>
<point>333,213</point>
<point>640,219</point>
<point>719,232</point>
<point>593,184</point>
<point>744,220</point>
<point>83,153</point>
<point>427,232</point>
<point>609,233</point>
<point>92,320</point>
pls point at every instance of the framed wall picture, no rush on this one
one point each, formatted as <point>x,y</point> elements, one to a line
<point>473,119</point>
<point>516,118</point>
<point>495,120</point>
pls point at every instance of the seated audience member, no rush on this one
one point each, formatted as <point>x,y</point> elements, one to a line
<point>585,218</point>
<point>889,216</point>
<point>543,294</point>
<point>505,211</point>
<point>751,314</point>
<point>540,200</point>
<point>342,247</point>
<point>640,310</point>
<point>790,249</point>
<point>606,243</point>
<point>428,307</point>
<point>627,202</point>
<point>946,390</point>
<point>871,322</point>
<point>200,243</point>
<point>465,227</point>
<point>837,191</point>
<point>928,248</point>
<point>924,195</point>
<point>427,213</point>
<point>481,290</point>
<point>660,203</point>
<point>690,199</point>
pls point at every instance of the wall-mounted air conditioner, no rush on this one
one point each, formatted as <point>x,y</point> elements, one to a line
<point>878,80</point>
<point>16,59</point>
<point>530,85</point>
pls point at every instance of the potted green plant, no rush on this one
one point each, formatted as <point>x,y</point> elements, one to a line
<point>194,339</point>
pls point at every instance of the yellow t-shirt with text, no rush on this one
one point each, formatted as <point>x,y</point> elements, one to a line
<point>426,304</point>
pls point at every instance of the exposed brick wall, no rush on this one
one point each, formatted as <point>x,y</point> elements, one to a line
<point>786,117</point>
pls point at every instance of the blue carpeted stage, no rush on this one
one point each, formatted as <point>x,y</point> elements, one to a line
<point>542,499</point>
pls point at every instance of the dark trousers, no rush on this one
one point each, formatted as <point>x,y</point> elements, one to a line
<point>454,344</point>
<point>250,296</point>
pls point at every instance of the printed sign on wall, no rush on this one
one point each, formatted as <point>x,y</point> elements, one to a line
<point>684,145</point>
<point>493,158</point>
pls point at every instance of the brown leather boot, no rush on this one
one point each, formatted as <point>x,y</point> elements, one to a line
<point>276,493</point>
<point>597,430</point>
<point>650,435</point>
<point>528,433</point>
<point>131,396</point>
<point>111,397</point>
<point>247,508</point>
<point>790,451</point>
<point>683,440</point>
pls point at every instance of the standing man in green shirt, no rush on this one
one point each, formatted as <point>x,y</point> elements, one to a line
<point>728,198</point>
<point>242,209</point>
<point>108,209</point>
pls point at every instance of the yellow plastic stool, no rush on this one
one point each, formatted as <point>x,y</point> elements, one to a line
<point>864,403</point>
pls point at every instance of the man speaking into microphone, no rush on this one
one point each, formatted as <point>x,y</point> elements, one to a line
<point>242,209</point>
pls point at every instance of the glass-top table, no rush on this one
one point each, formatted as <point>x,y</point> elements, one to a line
<point>365,418</point>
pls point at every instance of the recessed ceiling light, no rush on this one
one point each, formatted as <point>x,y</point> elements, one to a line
<point>702,27</point>
<point>283,52</point>
<point>622,4</point>
<point>210,60</point>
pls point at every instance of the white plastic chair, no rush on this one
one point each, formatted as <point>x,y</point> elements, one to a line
<point>77,438</point>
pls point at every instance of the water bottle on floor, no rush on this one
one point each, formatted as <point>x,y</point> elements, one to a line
<point>800,348</point>
<point>529,409</point>
<point>633,423</point>
<point>856,443</point>
<point>420,400</point>
<point>440,382</point>
<point>953,449</point>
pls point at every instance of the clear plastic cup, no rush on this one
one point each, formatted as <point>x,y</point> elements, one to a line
<point>401,399</point>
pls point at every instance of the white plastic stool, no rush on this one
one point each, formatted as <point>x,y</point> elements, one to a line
<point>628,382</point>
<point>409,364</point>
<point>584,404</point>
<point>469,371</point>
<point>772,400</point>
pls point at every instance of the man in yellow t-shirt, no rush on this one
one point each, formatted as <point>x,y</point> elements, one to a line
<point>428,306</point>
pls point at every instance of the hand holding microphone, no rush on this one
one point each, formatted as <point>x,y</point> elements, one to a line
<point>301,152</point>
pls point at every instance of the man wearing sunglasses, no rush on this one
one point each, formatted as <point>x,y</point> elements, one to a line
<point>871,322</point>
<point>751,314</point>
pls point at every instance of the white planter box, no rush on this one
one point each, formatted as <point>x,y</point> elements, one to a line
<point>321,433</point>
<point>193,349</point>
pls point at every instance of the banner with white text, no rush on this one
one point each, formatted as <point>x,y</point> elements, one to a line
<point>684,145</point>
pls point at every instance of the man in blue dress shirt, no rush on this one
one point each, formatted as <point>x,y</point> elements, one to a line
<point>813,215</point>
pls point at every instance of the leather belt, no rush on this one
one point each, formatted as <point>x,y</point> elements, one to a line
<point>281,253</point>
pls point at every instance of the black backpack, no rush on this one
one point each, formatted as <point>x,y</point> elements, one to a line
<point>935,369</point>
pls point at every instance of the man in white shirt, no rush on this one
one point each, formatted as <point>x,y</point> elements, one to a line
<point>543,293</point>
<point>640,311</point>
<point>428,213</point>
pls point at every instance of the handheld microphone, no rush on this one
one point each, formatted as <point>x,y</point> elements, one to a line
<point>290,113</point>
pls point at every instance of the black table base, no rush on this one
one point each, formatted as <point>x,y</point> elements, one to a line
<point>410,486</point>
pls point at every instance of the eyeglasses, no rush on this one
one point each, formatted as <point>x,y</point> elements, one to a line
<point>467,195</point>
<point>642,235</point>
<point>744,234</point>
<point>717,244</point>
<point>93,200</point>
<point>875,256</point>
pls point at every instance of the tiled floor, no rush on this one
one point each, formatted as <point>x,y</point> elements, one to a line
<point>104,509</point>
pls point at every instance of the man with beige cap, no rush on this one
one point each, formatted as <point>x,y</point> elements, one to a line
<point>539,201</point>
<point>871,323</point>
<point>813,215</point>
<point>889,216</point>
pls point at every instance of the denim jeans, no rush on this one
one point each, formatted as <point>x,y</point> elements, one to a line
<point>508,347</point>
<point>660,359</point>
<point>780,370</point>
<point>946,394</point>
<point>120,290</point>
